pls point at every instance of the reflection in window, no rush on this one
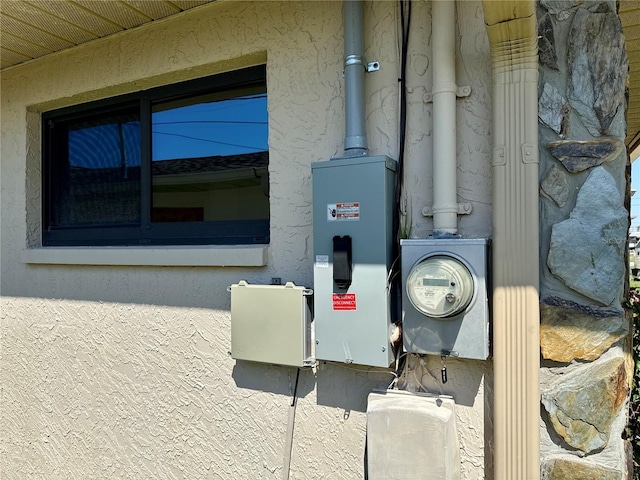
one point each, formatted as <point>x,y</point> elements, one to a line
<point>181,164</point>
<point>210,157</point>
<point>100,180</point>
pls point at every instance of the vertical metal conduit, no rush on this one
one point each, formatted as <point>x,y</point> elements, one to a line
<point>511,28</point>
<point>355,142</point>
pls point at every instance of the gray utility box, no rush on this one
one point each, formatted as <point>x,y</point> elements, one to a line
<point>445,304</point>
<point>271,324</point>
<point>352,243</point>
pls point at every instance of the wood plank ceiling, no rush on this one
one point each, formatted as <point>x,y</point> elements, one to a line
<point>33,28</point>
<point>630,17</point>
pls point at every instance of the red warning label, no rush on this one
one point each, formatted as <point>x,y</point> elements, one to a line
<point>344,301</point>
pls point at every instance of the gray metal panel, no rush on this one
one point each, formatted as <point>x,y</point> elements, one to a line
<point>466,334</point>
<point>359,335</point>
<point>271,324</point>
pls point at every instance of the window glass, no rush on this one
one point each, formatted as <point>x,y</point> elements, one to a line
<point>98,180</point>
<point>210,157</point>
<point>182,164</point>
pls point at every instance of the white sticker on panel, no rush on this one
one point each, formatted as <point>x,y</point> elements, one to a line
<point>322,261</point>
<point>337,212</point>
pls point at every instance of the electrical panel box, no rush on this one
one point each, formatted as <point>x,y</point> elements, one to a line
<point>353,203</point>
<point>445,304</point>
<point>271,324</point>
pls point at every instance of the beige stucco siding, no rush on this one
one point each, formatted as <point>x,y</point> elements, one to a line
<point>123,371</point>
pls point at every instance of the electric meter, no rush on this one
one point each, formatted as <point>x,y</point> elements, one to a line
<point>445,303</point>
<point>440,286</point>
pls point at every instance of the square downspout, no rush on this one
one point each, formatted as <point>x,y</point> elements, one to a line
<point>511,28</point>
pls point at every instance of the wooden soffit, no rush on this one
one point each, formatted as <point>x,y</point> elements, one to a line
<point>34,28</point>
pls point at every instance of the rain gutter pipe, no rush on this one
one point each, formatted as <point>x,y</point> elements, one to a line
<point>512,32</point>
<point>355,67</point>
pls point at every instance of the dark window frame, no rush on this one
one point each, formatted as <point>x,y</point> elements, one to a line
<point>232,232</point>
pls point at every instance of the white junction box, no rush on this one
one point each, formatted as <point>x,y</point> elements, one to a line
<point>423,427</point>
<point>445,304</point>
<point>271,324</point>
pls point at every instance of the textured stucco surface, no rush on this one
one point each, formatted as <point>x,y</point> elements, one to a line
<point>123,372</point>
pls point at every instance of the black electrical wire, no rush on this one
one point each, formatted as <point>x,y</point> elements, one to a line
<point>405,19</point>
<point>405,26</point>
<point>295,389</point>
<point>189,137</point>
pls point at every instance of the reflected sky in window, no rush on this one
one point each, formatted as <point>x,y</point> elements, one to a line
<point>230,126</point>
<point>110,142</point>
<point>224,127</point>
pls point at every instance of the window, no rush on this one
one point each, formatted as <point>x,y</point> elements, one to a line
<point>175,165</point>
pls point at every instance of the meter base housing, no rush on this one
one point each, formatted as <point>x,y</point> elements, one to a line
<point>465,335</point>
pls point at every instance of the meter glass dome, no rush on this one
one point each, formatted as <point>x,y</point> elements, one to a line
<point>440,286</point>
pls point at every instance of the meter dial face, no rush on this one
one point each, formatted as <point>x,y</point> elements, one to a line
<point>440,286</point>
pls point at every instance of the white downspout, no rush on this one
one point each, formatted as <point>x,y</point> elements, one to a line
<point>512,31</point>
<point>445,206</point>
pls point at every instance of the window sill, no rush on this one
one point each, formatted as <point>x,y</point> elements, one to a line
<point>169,256</point>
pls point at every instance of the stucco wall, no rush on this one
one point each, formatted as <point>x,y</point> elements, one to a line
<point>117,371</point>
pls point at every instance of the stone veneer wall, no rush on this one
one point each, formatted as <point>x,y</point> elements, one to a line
<point>586,365</point>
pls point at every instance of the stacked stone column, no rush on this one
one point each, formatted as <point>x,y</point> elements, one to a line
<point>584,329</point>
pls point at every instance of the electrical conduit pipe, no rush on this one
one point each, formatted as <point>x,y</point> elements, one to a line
<point>355,142</point>
<point>444,92</point>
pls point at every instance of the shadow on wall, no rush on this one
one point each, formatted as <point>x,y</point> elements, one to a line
<point>355,383</point>
<point>347,386</point>
<point>340,386</point>
<point>464,380</point>
<point>276,379</point>
<point>190,287</point>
